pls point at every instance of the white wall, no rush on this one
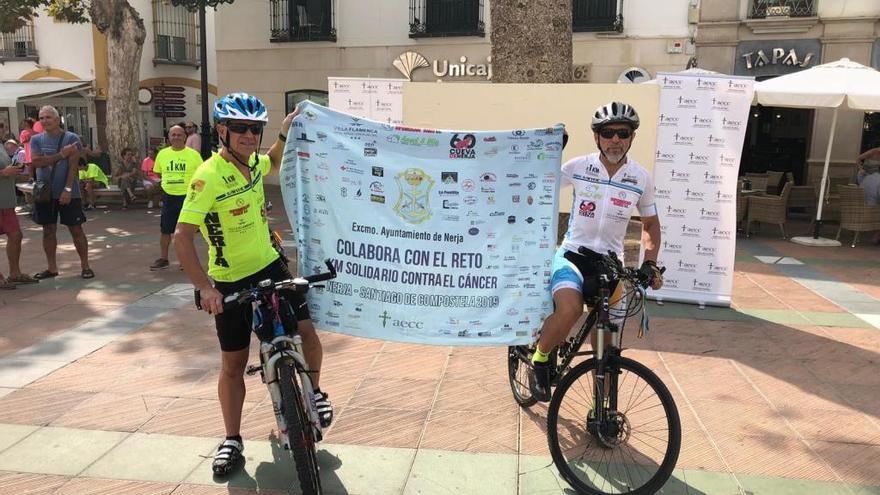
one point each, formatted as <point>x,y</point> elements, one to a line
<point>60,45</point>
<point>653,18</point>
<point>848,8</point>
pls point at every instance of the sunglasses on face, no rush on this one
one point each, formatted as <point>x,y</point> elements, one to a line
<point>240,128</point>
<point>621,133</point>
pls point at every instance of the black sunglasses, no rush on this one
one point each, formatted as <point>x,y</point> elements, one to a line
<point>240,128</point>
<point>621,133</point>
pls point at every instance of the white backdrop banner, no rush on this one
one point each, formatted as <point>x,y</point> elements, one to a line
<point>439,237</point>
<point>701,128</point>
<point>375,99</point>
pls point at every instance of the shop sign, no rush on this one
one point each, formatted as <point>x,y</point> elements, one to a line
<point>409,62</point>
<point>763,58</point>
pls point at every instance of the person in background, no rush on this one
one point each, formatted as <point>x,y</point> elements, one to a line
<point>9,225</point>
<point>27,132</point>
<point>14,152</point>
<point>152,181</point>
<point>91,177</point>
<point>5,132</point>
<point>127,176</point>
<point>193,139</point>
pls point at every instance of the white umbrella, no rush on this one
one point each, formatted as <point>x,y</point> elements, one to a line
<point>839,84</point>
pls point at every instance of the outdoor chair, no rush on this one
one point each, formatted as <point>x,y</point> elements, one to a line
<point>773,180</point>
<point>769,209</point>
<point>803,197</point>
<point>855,215</point>
<point>741,203</point>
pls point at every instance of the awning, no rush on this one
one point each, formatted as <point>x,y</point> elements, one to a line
<point>13,91</point>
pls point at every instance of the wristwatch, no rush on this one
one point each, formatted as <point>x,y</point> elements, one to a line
<point>67,189</point>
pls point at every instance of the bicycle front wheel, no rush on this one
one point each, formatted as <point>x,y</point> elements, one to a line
<point>300,432</point>
<point>632,448</point>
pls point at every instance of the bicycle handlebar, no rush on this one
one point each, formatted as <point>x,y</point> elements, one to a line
<point>616,268</point>
<point>297,284</point>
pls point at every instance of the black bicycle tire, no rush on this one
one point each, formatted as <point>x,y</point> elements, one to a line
<point>669,407</point>
<point>514,362</point>
<point>299,432</point>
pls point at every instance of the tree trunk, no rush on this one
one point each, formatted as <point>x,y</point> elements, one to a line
<point>125,32</point>
<point>531,41</point>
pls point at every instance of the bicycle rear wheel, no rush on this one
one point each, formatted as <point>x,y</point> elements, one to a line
<point>300,432</point>
<point>518,374</point>
<point>634,450</point>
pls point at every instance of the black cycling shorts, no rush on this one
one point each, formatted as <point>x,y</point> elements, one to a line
<point>590,269</point>
<point>234,325</point>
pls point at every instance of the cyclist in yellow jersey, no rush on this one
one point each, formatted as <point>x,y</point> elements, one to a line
<point>176,164</point>
<point>227,203</point>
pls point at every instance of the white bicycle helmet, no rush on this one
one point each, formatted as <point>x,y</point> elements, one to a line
<point>615,112</point>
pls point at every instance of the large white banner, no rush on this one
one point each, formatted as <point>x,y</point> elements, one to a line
<point>702,125</point>
<point>375,99</point>
<point>439,237</point>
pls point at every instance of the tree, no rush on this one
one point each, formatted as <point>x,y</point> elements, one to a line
<point>125,32</point>
<point>531,43</point>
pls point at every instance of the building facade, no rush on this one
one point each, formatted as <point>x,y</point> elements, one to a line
<point>65,65</point>
<point>284,50</point>
<point>767,38</point>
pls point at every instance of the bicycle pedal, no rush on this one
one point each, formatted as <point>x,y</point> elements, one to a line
<point>252,369</point>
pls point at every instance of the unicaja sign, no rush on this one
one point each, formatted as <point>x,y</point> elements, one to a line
<point>408,62</point>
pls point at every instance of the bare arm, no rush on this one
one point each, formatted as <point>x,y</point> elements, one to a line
<point>651,237</point>
<point>72,169</point>
<point>870,154</point>
<point>276,152</point>
<point>185,248</point>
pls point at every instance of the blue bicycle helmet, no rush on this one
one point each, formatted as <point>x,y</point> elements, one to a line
<point>240,106</point>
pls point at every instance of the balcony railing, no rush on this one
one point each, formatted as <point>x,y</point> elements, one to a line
<point>597,15</point>
<point>19,44</point>
<point>302,20</point>
<point>175,34</point>
<point>761,9</point>
<point>429,18</point>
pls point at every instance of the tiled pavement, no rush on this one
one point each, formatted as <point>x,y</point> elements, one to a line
<point>109,386</point>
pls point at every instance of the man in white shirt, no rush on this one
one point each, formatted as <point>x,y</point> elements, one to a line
<point>608,188</point>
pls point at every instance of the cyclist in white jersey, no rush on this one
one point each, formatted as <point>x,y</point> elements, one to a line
<point>608,189</point>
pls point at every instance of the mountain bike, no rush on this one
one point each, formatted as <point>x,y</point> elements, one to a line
<point>284,370</point>
<point>612,425</point>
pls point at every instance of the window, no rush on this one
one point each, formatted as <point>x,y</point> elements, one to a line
<point>597,15</point>
<point>302,20</point>
<point>175,34</point>
<point>761,9</point>
<point>292,98</point>
<point>18,44</point>
<point>446,18</point>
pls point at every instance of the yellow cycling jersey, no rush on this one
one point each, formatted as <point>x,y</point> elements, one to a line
<point>231,214</point>
<point>176,168</point>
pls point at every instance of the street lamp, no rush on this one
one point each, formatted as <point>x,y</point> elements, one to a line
<point>199,6</point>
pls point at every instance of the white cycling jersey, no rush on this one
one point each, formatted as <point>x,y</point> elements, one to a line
<point>602,205</point>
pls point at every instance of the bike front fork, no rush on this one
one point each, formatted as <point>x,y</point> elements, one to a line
<point>605,395</point>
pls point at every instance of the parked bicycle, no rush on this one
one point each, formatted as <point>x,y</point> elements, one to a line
<point>612,425</point>
<point>284,370</point>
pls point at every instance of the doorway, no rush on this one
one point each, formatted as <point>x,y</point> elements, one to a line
<point>777,139</point>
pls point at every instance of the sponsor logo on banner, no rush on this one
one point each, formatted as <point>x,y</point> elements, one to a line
<point>720,104</point>
<point>716,269</point>
<point>449,178</point>
<point>730,124</point>
<point>662,192</point>
<point>679,139</point>
<point>355,105</point>
<point>716,141</point>
<point>672,247</point>
<point>668,120</point>
<point>670,283</point>
<point>721,234</point>
<point>702,286</point>
<point>414,188</point>
<point>710,178</point>
<point>691,231</point>
<point>698,158</point>
<point>671,82</point>
<point>676,212</point>
<point>685,102</point>
<point>722,197</point>
<point>734,86</point>
<point>341,87</point>
<point>691,195</point>
<point>679,175</point>
<point>701,122</point>
<point>517,135</point>
<point>462,146</point>
<point>708,214</point>
<point>727,161</point>
<point>687,266</point>
<point>664,156</point>
<point>378,172</point>
<point>706,84</point>
<point>704,250</point>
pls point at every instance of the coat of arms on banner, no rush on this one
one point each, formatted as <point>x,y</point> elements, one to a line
<point>413,204</point>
